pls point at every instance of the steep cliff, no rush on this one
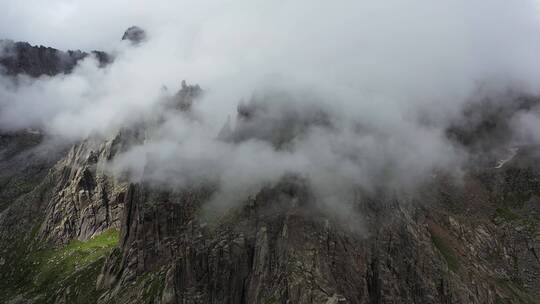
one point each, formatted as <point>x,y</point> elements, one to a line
<point>23,58</point>
<point>74,231</point>
<point>471,243</point>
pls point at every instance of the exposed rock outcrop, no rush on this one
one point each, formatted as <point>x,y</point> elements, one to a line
<point>135,35</point>
<point>279,248</point>
<point>88,199</point>
<point>23,58</point>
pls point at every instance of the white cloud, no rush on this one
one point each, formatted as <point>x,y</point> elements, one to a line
<point>379,65</point>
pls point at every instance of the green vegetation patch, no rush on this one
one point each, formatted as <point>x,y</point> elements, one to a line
<point>58,263</point>
<point>514,291</point>
<point>68,271</point>
<point>506,214</point>
<point>447,252</point>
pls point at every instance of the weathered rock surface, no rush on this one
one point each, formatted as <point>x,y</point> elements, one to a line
<point>22,58</point>
<point>471,243</point>
<point>86,201</point>
<point>277,249</point>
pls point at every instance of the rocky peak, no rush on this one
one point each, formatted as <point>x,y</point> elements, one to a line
<point>135,35</point>
<point>187,94</point>
<point>24,58</point>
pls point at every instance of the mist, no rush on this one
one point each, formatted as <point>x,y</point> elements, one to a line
<point>372,86</point>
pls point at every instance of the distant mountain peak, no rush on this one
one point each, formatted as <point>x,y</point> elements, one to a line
<point>24,58</point>
<point>135,35</point>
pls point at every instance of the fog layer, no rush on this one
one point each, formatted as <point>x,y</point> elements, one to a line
<point>347,95</point>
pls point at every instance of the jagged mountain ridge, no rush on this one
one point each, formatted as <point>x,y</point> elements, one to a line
<point>471,243</point>
<point>23,58</point>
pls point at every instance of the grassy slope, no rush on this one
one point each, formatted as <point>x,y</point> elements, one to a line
<point>69,271</point>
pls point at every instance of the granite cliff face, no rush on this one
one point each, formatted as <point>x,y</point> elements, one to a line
<point>22,58</point>
<point>72,231</point>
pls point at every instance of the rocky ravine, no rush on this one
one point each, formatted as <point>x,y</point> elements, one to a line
<point>70,232</point>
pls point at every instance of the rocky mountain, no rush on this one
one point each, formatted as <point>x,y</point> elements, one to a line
<point>134,35</point>
<point>22,58</point>
<point>72,232</point>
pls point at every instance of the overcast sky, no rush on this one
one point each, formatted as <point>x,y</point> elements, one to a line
<point>96,24</point>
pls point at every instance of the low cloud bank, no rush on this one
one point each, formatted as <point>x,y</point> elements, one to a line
<point>351,95</point>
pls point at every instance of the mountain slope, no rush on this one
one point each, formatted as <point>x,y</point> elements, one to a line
<point>72,231</point>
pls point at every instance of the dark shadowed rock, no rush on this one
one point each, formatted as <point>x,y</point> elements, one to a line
<point>485,127</point>
<point>135,35</point>
<point>24,58</point>
<point>184,98</point>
